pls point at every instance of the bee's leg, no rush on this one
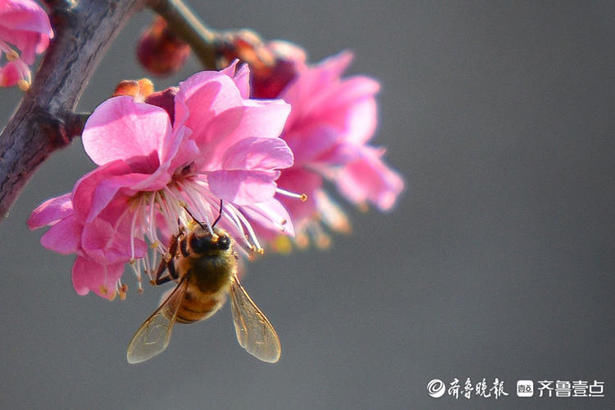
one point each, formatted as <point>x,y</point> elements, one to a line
<point>171,269</point>
<point>159,278</point>
<point>160,281</point>
<point>171,273</point>
<point>183,246</point>
<point>173,246</point>
<point>167,264</point>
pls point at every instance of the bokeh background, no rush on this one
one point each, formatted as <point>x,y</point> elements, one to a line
<point>497,262</point>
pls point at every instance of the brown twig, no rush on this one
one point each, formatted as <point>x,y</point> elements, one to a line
<point>44,120</point>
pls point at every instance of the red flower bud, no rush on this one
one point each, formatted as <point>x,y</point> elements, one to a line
<point>160,51</point>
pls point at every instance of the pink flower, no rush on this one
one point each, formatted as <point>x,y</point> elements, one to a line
<point>151,168</point>
<point>24,32</point>
<point>331,123</point>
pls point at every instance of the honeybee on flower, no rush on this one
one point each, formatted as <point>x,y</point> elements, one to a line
<point>216,144</point>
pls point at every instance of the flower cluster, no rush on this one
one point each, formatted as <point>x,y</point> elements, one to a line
<point>217,147</point>
<point>24,32</point>
<point>153,164</point>
<point>331,123</point>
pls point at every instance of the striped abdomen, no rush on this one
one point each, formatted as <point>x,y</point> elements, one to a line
<point>198,305</point>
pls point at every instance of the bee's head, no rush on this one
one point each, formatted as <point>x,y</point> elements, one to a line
<point>203,242</point>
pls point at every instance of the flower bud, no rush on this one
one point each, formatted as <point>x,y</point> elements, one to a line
<point>139,90</point>
<point>160,51</point>
<point>272,65</point>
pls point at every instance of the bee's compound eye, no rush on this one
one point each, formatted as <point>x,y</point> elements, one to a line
<point>224,242</point>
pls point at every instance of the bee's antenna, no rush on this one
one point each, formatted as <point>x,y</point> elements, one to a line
<point>219,214</point>
<point>194,219</point>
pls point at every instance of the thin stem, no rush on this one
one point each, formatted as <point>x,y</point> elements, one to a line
<point>186,25</point>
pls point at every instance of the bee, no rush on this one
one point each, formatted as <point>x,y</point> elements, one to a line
<point>204,264</point>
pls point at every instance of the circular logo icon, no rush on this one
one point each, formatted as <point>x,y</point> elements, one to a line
<point>436,388</point>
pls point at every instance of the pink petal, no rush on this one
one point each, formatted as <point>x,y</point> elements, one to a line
<point>361,121</point>
<point>90,275</point>
<point>26,25</point>
<point>242,187</point>
<point>83,192</point>
<point>369,179</point>
<point>121,128</point>
<point>241,77</point>
<point>270,215</point>
<point>258,154</point>
<point>264,119</point>
<point>350,107</point>
<point>63,237</point>
<point>105,243</point>
<point>107,189</point>
<point>304,91</point>
<point>187,153</point>
<point>299,181</point>
<point>309,144</point>
<point>172,146</point>
<point>203,96</point>
<point>51,211</point>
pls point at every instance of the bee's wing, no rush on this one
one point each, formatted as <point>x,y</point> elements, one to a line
<point>154,335</point>
<point>254,332</point>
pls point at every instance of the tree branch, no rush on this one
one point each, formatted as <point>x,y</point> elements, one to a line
<point>44,120</point>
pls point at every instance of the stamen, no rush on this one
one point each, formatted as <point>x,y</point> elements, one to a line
<point>251,233</point>
<point>302,197</point>
<point>202,208</point>
<point>230,212</point>
<point>122,290</point>
<point>152,229</point>
<point>136,268</point>
<point>133,225</point>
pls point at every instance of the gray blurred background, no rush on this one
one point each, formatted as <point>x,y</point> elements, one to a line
<point>497,262</point>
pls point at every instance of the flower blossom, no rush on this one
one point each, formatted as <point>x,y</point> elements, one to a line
<point>158,168</point>
<point>331,123</point>
<point>24,32</point>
